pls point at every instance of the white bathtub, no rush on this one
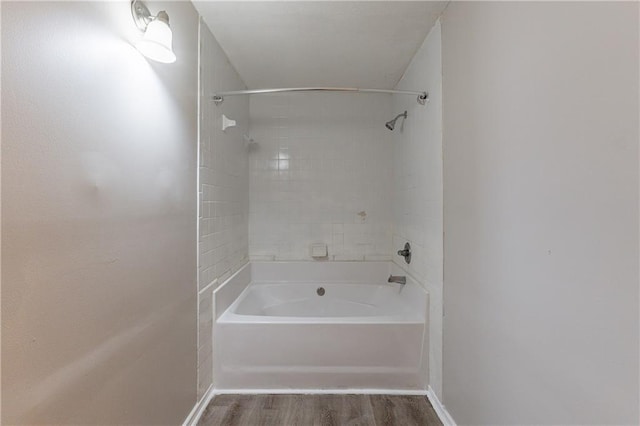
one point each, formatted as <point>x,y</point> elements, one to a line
<point>274,332</point>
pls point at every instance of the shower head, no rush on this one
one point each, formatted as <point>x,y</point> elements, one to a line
<point>392,124</point>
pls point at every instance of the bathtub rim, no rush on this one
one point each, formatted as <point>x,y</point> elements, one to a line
<point>225,315</point>
<point>229,316</point>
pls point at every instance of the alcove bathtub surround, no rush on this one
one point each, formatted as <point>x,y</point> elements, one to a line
<point>321,175</point>
<point>320,182</point>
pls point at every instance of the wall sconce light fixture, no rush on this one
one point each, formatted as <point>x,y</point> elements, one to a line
<point>156,42</point>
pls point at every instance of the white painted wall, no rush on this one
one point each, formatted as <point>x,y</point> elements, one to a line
<point>321,172</point>
<point>223,189</point>
<point>98,217</point>
<point>541,212</point>
<point>417,191</point>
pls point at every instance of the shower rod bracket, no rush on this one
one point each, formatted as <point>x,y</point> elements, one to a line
<point>218,98</point>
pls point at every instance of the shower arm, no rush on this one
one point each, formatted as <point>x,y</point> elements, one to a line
<point>423,97</point>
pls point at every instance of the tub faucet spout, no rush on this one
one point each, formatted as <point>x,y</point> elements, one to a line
<point>400,279</point>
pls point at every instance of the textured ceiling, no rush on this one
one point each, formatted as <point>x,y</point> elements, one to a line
<point>330,43</point>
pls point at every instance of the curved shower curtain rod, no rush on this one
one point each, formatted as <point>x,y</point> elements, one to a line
<point>218,97</point>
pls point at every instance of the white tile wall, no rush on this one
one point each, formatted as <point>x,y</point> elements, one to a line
<point>418,195</point>
<point>320,172</point>
<point>223,189</point>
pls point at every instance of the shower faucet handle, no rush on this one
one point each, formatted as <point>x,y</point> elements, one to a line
<point>406,253</point>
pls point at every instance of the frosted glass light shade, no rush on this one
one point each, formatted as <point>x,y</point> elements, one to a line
<point>156,42</point>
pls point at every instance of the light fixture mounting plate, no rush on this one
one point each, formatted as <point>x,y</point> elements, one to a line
<point>141,14</point>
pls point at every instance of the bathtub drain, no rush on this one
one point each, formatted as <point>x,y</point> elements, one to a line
<point>320,291</point>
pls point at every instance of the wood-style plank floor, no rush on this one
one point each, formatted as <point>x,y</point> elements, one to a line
<point>319,410</point>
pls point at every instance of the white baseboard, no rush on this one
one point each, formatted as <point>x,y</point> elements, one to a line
<point>440,410</point>
<point>340,391</point>
<point>198,409</point>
